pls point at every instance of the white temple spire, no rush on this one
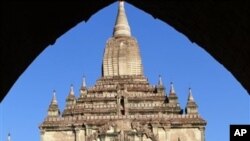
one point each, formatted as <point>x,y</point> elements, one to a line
<point>121,26</point>
<point>172,88</point>
<point>160,81</point>
<point>71,90</point>
<point>53,107</point>
<point>83,81</point>
<point>83,89</point>
<point>54,101</point>
<point>192,107</point>
<point>71,97</point>
<point>190,96</point>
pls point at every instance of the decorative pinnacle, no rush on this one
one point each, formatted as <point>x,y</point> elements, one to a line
<point>160,81</point>
<point>54,101</point>
<point>84,81</point>
<point>190,96</point>
<point>71,90</point>
<point>172,87</point>
<point>121,26</point>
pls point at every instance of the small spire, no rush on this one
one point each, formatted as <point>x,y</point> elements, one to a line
<point>71,97</point>
<point>192,107</point>
<point>172,95</point>
<point>8,138</point>
<point>54,101</point>
<point>121,26</point>
<point>190,96</point>
<point>84,81</point>
<point>160,81</point>
<point>53,107</point>
<point>71,90</point>
<point>172,88</point>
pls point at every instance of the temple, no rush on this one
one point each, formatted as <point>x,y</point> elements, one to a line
<point>122,105</point>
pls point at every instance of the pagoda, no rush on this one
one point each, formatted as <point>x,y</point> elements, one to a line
<point>122,105</point>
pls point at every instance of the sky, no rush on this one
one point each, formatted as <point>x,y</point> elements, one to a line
<point>221,98</point>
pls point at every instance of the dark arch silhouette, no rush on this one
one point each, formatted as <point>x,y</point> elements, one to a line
<point>28,27</point>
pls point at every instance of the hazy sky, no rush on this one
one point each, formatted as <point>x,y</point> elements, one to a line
<point>221,99</point>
